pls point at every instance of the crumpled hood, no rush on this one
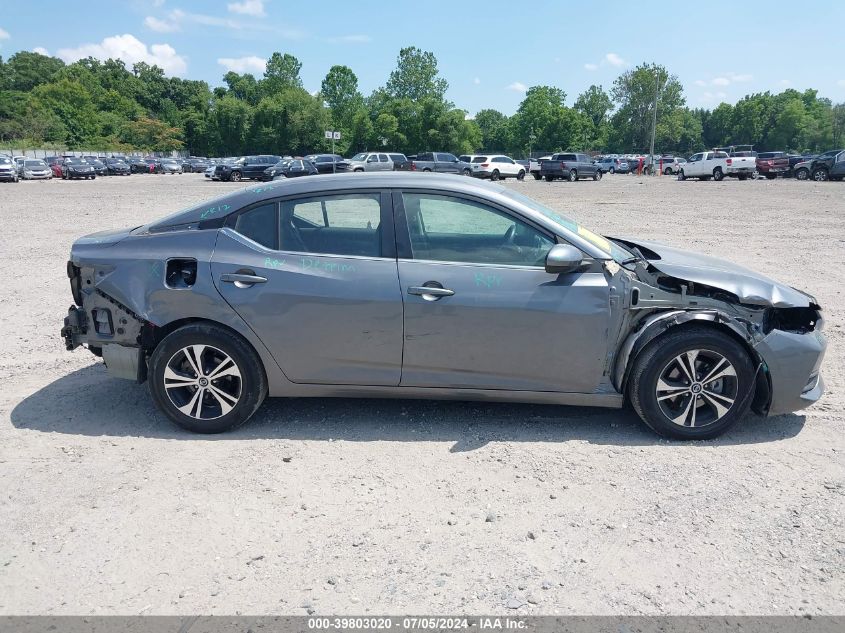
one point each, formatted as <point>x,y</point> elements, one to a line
<point>749,286</point>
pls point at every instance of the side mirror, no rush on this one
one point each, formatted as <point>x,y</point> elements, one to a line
<point>563,258</point>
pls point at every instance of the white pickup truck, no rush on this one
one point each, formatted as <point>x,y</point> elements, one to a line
<point>716,165</point>
<point>534,166</point>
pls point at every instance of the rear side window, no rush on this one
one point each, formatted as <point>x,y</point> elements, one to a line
<point>398,158</point>
<point>346,224</point>
<point>259,225</point>
<point>446,158</point>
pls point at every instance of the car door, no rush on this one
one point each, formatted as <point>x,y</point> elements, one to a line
<point>693,166</point>
<point>838,169</point>
<point>446,163</point>
<point>480,310</point>
<point>315,277</point>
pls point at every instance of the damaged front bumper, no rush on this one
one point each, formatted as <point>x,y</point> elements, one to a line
<point>792,362</point>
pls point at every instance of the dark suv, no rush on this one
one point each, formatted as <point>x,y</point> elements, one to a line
<point>400,162</point>
<point>251,167</point>
<point>328,163</point>
<point>829,166</point>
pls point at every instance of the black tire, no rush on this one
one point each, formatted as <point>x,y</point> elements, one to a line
<point>597,175</point>
<point>771,176</point>
<point>537,176</point>
<point>659,354</point>
<point>495,175</point>
<point>667,171</point>
<point>358,171</point>
<point>802,174</point>
<point>235,176</point>
<point>573,175</point>
<point>718,175</point>
<point>467,172</point>
<point>742,177</point>
<point>549,178</point>
<point>521,175</point>
<point>682,175</point>
<point>612,170</point>
<point>427,169</point>
<point>821,175</point>
<point>253,381</point>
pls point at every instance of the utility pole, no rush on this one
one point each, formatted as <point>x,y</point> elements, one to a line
<point>654,119</point>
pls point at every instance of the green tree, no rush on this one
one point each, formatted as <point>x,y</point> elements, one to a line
<point>340,91</point>
<point>27,70</point>
<point>416,77</point>
<point>282,73</point>
<point>495,131</point>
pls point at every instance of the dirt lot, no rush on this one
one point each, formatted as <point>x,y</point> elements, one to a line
<point>423,507</point>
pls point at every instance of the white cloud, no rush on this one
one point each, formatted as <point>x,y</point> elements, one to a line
<point>700,82</point>
<point>517,86</point>
<point>476,81</point>
<point>250,63</point>
<point>131,50</point>
<point>591,66</point>
<point>614,60</point>
<point>740,78</point>
<point>158,3</point>
<point>712,96</point>
<point>785,82</point>
<point>721,81</point>
<point>4,35</point>
<point>351,39</point>
<point>248,7</point>
<point>160,26</point>
<point>179,17</point>
<point>41,51</point>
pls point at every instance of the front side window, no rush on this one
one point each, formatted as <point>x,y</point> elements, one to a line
<point>259,224</point>
<point>451,229</point>
<point>346,224</point>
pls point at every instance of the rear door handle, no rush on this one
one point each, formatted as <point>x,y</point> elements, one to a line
<point>242,280</point>
<point>430,293</point>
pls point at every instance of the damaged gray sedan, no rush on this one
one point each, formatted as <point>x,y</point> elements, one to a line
<point>408,286</point>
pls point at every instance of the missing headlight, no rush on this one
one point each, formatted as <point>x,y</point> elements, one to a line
<point>800,320</point>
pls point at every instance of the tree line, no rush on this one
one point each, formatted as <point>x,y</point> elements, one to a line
<point>93,104</point>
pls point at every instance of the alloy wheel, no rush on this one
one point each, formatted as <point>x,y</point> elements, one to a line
<point>202,382</point>
<point>697,388</point>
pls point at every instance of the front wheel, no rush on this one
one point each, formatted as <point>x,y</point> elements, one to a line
<point>612,170</point>
<point>235,176</point>
<point>692,384</point>
<point>667,171</point>
<point>802,174</point>
<point>682,175</point>
<point>597,175</point>
<point>206,379</point>
<point>717,174</point>
<point>467,172</point>
<point>521,175</point>
<point>573,175</point>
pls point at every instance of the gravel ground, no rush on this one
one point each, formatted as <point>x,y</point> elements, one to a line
<point>342,506</point>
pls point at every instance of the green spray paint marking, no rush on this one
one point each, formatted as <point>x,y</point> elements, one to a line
<point>273,263</point>
<point>309,263</point>
<point>155,269</point>
<point>214,211</point>
<point>487,281</point>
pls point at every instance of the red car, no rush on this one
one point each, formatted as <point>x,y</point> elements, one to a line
<point>772,164</point>
<point>55,163</point>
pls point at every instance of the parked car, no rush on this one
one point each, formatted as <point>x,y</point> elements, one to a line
<point>717,165</point>
<point>670,165</point>
<point>209,171</point>
<point>247,167</point>
<point>153,165</point>
<point>170,166</point>
<point>437,287</point>
<point>534,166</point>
<point>772,164</point>
<point>291,168</point>
<point>400,162</point>
<point>526,164</point>
<point>370,161</point>
<point>194,164</point>
<point>569,166</point>
<point>74,168</point>
<point>98,165</point>
<point>829,166</point>
<point>19,161</point>
<point>608,165</point>
<point>794,159</point>
<point>36,169</point>
<point>55,164</point>
<point>328,163</point>
<point>496,167</point>
<point>8,170</point>
<point>440,162</point>
<point>802,170</point>
<point>117,167</point>
<point>138,165</point>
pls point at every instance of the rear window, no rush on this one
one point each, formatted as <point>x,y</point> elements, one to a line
<point>479,159</point>
<point>564,157</point>
<point>771,154</point>
<point>398,158</point>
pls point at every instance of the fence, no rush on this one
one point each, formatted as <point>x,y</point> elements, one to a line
<point>44,153</point>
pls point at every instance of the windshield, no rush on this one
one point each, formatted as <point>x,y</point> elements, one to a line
<point>360,157</point>
<point>36,163</point>
<point>5,161</point>
<point>612,249</point>
<point>76,161</point>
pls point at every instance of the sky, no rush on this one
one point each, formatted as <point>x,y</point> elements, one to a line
<point>489,52</point>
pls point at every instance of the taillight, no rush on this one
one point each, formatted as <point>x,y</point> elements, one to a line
<point>485,164</point>
<point>413,166</point>
<point>730,162</point>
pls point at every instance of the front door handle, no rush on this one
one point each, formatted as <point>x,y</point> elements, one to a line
<point>430,293</point>
<point>243,280</point>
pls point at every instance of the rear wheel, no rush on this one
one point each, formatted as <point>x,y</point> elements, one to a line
<point>667,171</point>
<point>549,178</point>
<point>681,175</point>
<point>494,175</point>
<point>537,176</point>
<point>573,175</point>
<point>717,174</point>
<point>205,379</point>
<point>692,384</point>
<point>770,176</point>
